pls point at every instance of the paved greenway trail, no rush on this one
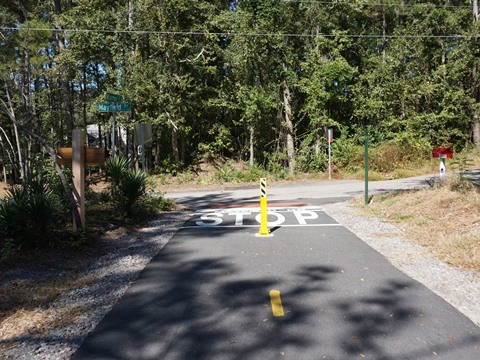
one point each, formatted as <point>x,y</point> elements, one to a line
<point>312,291</point>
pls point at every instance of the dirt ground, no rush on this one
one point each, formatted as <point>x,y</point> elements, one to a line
<point>29,283</point>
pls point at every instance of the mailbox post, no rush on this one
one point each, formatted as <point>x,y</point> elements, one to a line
<point>78,171</point>
<point>79,156</point>
<point>442,154</point>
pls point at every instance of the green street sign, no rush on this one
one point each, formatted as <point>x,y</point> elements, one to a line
<point>121,107</point>
<point>104,107</point>
<point>114,98</point>
<point>114,107</point>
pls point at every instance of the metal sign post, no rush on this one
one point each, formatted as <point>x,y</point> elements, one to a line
<point>330,140</point>
<point>143,135</point>
<point>442,154</point>
<point>366,165</point>
<point>114,105</point>
<point>113,134</point>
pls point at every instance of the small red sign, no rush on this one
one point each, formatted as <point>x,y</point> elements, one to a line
<point>330,135</point>
<point>442,153</point>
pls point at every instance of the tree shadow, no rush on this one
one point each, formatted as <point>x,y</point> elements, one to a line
<point>217,200</point>
<point>375,317</point>
<point>184,307</point>
<point>386,325</point>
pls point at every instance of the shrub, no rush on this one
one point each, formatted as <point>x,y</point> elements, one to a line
<point>348,155</point>
<point>116,167</point>
<point>127,187</point>
<point>227,172</point>
<point>41,213</point>
<point>28,217</point>
<point>460,184</point>
<point>131,188</point>
<point>224,173</point>
<point>254,173</point>
<point>396,154</point>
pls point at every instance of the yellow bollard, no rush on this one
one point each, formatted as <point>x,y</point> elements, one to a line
<point>263,209</point>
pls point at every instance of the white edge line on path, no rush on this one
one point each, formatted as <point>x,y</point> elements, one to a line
<point>256,226</point>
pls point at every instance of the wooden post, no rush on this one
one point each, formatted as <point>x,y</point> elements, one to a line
<point>78,171</point>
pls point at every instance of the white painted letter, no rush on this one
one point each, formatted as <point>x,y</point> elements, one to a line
<point>280,219</point>
<point>239,217</point>
<point>213,219</point>
<point>305,215</point>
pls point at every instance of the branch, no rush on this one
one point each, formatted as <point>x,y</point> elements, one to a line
<point>8,140</point>
<point>171,121</point>
<point>197,57</point>
<point>53,155</point>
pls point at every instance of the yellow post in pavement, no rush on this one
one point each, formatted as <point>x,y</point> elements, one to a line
<point>263,209</point>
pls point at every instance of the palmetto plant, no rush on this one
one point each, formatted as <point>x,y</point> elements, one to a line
<point>12,216</point>
<point>116,169</point>
<point>127,186</point>
<point>132,187</point>
<point>27,216</point>
<point>41,212</point>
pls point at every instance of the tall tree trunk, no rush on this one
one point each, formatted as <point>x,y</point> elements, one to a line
<point>252,154</point>
<point>158,153</point>
<point>67,98</point>
<point>287,116</point>
<point>182,148</point>
<point>84,97</point>
<point>384,33</point>
<point>27,101</point>
<point>10,154</point>
<point>11,114</point>
<point>131,14</point>
<point>175,148</point>
<point>476,115</point>
<point>317,142</point>
<point>176,152</point>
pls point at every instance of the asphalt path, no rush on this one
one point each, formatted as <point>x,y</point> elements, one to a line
<point>325,191</point>
<point>208,293</point>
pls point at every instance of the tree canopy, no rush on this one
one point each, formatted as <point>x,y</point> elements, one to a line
<point>254,80</point>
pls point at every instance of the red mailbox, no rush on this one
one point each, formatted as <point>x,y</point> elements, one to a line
<point>442,153</point>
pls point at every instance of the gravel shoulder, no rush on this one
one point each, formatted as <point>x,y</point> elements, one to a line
<point>114,272</point>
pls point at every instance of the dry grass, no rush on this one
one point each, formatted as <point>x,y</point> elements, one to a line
<point>445,221</point>
<point>31,283</point>
<point>37,322</point>
<point>25,310</point>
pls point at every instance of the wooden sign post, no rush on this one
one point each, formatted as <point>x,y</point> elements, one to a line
<point>78,157</point>
<point>78,171</point>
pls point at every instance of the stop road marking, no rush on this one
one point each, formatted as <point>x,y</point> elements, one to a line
<point>250,217</point>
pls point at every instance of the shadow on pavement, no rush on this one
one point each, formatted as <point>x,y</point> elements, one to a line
<point>195,304</point>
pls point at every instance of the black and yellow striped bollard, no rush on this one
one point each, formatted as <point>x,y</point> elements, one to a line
<point>263,209</point>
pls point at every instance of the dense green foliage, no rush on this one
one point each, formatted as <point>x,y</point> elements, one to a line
<point>256,80</point>
<point>127,186</point>
<point>128,191</point>
<point>29,217</point>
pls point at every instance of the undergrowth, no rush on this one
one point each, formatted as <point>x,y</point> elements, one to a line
<point>443,218</point>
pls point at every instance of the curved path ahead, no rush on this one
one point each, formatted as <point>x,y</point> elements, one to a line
<point>313,290</point>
